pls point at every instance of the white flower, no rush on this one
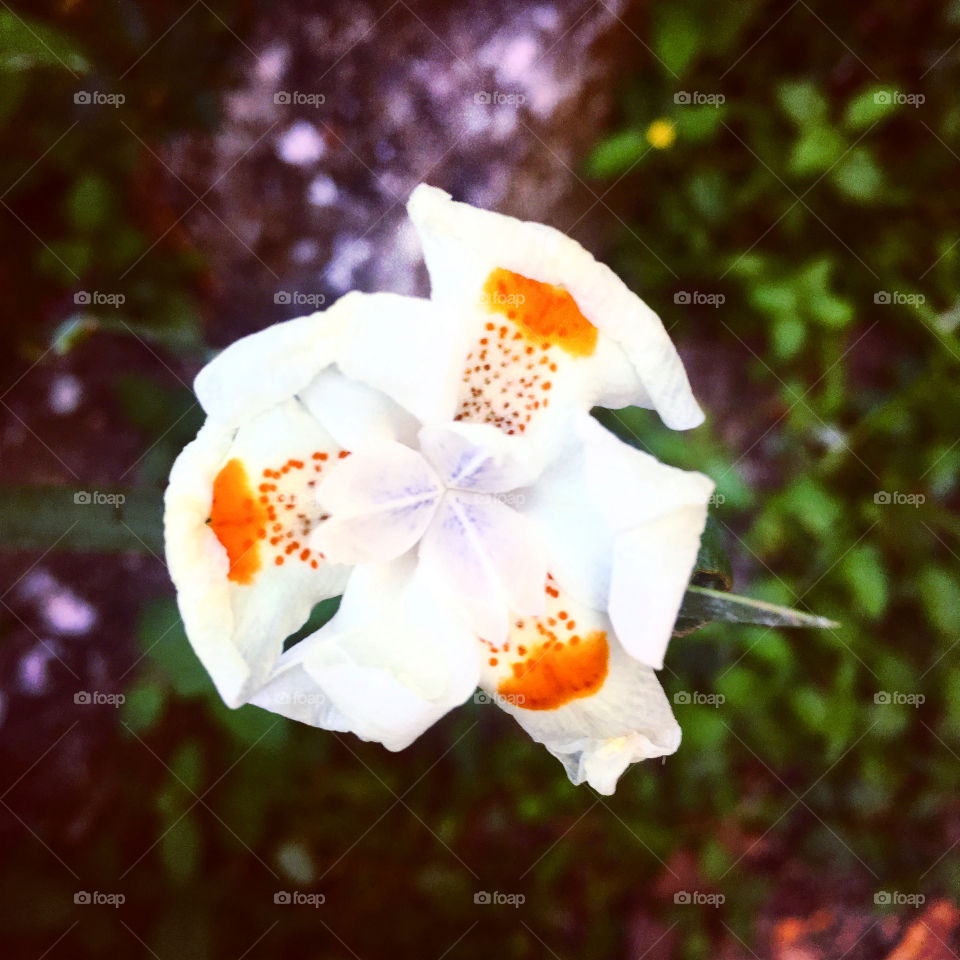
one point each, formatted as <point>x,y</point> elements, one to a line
<point>434,462</point>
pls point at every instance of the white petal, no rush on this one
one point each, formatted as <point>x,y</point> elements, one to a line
<point>478,457</point>
<point>237,612</point>
<point>462,245</point>
<point>575,531</point>
<point>622,532</point>
<point>380,501</point>
<point>269,366</point>
<point>593,706</point>
<point>198,564</point>
<point>293,693</point>
<point>356,415</point>
<point>409,348</point>
<point>392,661</point>
<point>652,565</point>
<point>631,486</point>
<point>487,558</point>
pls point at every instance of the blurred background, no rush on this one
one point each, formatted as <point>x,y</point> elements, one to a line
<point>780,181</point>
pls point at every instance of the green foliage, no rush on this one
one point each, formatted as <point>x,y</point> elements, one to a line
<point>788,199</point>
<point>83,174</point>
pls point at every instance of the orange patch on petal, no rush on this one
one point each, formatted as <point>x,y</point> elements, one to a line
<point>553,673</point>
<point>545,313</point>
<point>236,517</point>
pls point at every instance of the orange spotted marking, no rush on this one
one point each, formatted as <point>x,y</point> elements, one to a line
<point>543,312</point>
<point>240,516</point>
<point>237,518</point>
<point>504,382</point>
<point>553,674</point>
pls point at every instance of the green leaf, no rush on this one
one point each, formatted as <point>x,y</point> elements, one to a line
<point>868,107</point>
<point>775,299</point>
<point>858,176</point>
<point>143,706</point>
<point>676,37</point>
<point>87,520</point>
<point>180,849</point>
<point>161,636</point>
<point>864,572</point>
<point>708,193</point>
<point>712,569</point>
<point>616,154</point>
<point>319,615</point>
<point>816,150</point>
<point>702,603</point>
<point>250,725</point>
<point>802,102</point>
<point>25,44</point>
<point>938,593</point>
<point>186,766</point>
<point>788,334</point>
<point>697,123</point>
<point>90,203</point>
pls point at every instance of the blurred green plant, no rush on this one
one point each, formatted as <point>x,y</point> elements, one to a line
<point>802,220</point>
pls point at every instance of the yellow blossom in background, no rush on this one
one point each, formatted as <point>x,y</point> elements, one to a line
<point>661,134</point>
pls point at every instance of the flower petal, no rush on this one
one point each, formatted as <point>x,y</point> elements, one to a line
<point>570,684</point>
<point>487,558</point>
<point>379,502</point>
<point>357,415</point>
<point>622,531</point>
<point>479,458</point>
<point>392,661</point>
<point>550,294</point>
<point>267,367</point>
<point>238,510</point>
<point>404,346</point>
